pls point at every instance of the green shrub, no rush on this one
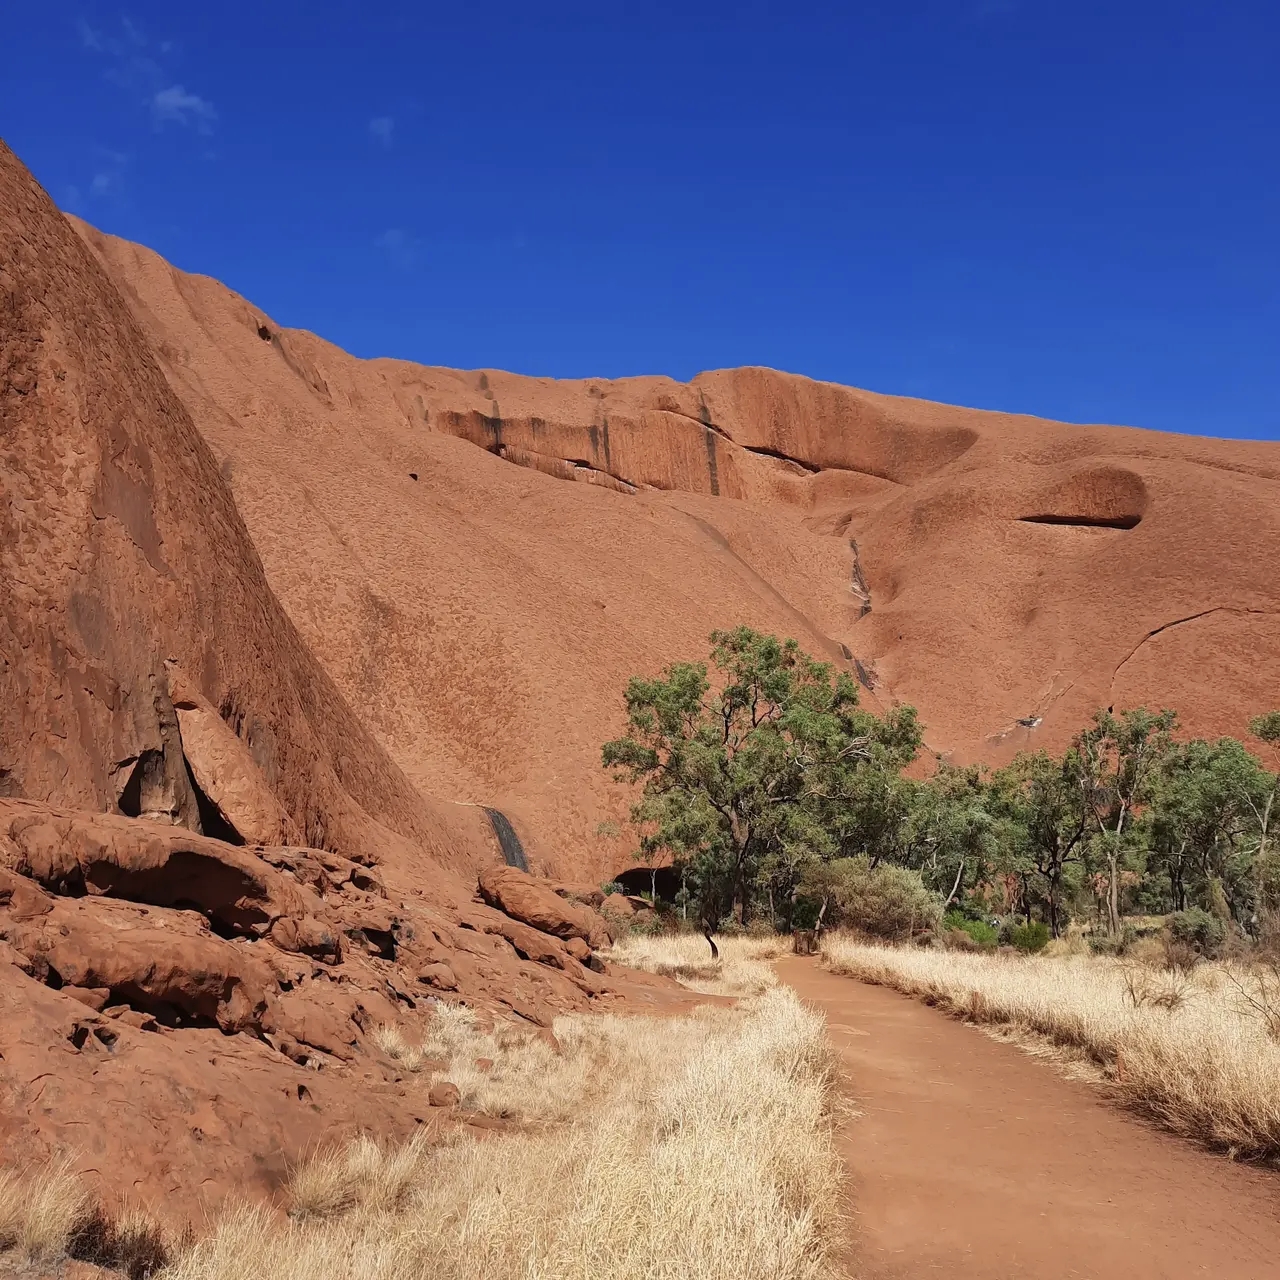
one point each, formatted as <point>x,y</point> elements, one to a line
<point>978,932</point>
<point>1030,937</point>
<point>1197,929</point>
<point>1103,944</point>
<point>884,902</point>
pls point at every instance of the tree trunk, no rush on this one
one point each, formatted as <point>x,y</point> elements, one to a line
<point>1113,887</point>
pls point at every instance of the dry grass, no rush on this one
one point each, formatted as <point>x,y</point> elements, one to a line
<point>48,1215</point>
<point>702,1151</point>
<point>741,970</point>
<point>1187,1049</point>
<point>41,1210</point>
<point>508,1071</point>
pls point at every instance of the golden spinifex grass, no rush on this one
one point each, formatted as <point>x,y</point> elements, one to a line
<point>742,968</point>
<point>40,1210</point>
<point>696,1147</point>
<point>1190,1051</point>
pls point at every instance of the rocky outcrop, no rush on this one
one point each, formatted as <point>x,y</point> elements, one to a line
<point>225,773</point>
<point>995,570</point>
<point>536,903</point>
<point>123,559</point>
<point>136,955</point>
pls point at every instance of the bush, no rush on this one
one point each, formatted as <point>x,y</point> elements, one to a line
<point>1030,937</point>
<point>978,932</point>
<point>1197,929</point>
<point>883,902</point>
<point>1103,944</point>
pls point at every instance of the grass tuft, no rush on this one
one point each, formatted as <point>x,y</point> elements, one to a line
<point>742,968</point>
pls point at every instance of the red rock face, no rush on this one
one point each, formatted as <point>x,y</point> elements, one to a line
<point>275,622</point>
<point>1005,574</point>
<point>214,883</point>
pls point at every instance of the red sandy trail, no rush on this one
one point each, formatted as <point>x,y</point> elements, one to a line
<point>969,1159</point>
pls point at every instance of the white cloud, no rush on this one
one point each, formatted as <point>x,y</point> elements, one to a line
<point>403,250</point>
<point>177,105</point>
<point>381,129</point>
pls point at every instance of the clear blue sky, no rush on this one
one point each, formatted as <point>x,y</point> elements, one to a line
<point>1071,209</point>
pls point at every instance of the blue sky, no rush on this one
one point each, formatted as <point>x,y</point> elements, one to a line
<point>1070,209</point>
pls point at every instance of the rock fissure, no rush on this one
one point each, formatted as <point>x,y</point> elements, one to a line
<point>1178,622</point>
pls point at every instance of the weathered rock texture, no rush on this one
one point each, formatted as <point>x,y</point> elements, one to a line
<point>1005,574</point>
<point>268,611</point>
<point>215,884</point>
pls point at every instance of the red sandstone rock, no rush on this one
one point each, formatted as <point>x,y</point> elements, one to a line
<point>438,975</point>
<point>224,769</point>
<point>1007,597</point>
<point>167,614</point>
<point>578,949</point>
<point>444,1094</point>
<point>524,898</point>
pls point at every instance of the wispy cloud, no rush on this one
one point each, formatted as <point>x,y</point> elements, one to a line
<point>136,64</point>
<point>403,250</point>
<point>382,130</point>
<point>175,105</point>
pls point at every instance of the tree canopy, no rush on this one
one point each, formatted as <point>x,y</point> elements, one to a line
<point>772,789</point>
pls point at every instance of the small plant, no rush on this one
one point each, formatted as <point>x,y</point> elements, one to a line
<point>1197,929</point>
<point>1029,938</point>
<point>609,887</point>
<point>979,932</point>
<point>1104,944</point>
<point>1259,991</point>
<point>1148,988</point>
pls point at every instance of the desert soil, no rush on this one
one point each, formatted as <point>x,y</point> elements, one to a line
<point>969,1158</point>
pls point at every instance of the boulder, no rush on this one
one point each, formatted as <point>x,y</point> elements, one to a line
<point>180,973</point>
<point>166,866</point>
<point>535,903</point>
<point>440,976</point>
<point>444,1094</point>
<point>225,770</point>
<point>589,895</point>
<point>529,943</point>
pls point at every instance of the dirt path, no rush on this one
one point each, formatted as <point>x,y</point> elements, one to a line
<point>972,1160</point>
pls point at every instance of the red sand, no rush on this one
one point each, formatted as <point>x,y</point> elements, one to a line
<point>968,1158</point>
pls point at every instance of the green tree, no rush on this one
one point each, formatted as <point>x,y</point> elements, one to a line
<point>1047,822</point>
<point>742,775</point>
<point>1114,762</point>
<point>1266,728</point>
<point>882,901</point>
<point>1206,805</point>
<point>951,835</point>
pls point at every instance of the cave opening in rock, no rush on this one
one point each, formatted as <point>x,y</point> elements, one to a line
<point>145,766</point>
<point>1127,521</point>
<point>662,881</point>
